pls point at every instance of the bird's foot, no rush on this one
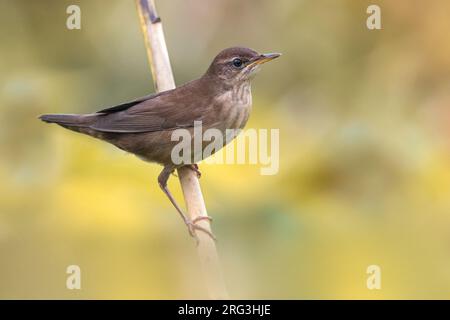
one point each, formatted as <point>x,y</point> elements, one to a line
<point>191,224</point>
<point>193,227</point>
<point>194,167</point>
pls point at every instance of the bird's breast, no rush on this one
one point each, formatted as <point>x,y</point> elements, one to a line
<point>234,106</point>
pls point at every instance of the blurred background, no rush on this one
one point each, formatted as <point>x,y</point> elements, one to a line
<point>364,119</point>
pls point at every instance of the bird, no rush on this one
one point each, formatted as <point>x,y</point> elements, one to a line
<point>220,99</point>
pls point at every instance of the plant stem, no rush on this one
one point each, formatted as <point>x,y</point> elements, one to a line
<point>163,78</point>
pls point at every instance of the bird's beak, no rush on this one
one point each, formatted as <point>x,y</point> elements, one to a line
<point>264,58</point>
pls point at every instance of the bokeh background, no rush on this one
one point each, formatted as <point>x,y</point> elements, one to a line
<point>364,174</point>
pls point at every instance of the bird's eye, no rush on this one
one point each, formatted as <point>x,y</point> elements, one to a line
<point>237,62</point>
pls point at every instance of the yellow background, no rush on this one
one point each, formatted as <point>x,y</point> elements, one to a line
<point>364,152</point>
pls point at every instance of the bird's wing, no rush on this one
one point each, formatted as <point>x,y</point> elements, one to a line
<point>129,104</point>
<point>166,111</point>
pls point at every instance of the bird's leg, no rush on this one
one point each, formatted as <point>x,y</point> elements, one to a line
<point>191,224</point>
<point>194,167</point>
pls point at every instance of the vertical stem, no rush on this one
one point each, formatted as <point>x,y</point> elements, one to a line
<point>162,75</point>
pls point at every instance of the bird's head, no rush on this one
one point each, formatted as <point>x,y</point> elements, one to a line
<point>235,65</point>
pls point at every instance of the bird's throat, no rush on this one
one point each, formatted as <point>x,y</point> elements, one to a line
<point>241,94</point>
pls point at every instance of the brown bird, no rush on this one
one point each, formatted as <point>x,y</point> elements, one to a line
<point>220,99</point>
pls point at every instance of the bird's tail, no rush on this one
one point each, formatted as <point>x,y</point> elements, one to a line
<point>74,122</point>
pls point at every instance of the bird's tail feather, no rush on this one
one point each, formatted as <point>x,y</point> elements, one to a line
<point>75,122</point>
<point>72,120</point>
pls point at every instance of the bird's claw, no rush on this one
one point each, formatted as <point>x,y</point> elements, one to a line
<point>193,227</point>
<point>194,167</point>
